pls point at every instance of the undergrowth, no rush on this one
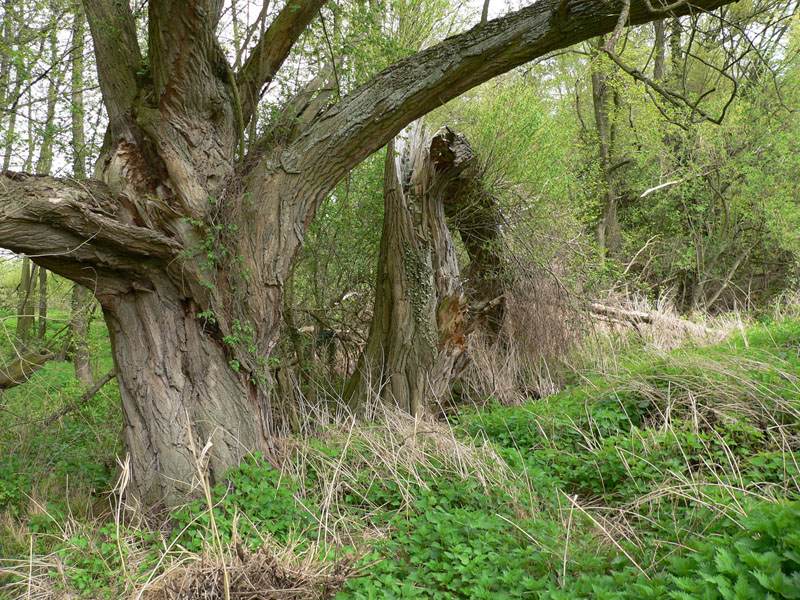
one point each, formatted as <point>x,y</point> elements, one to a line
<point>671,476</point>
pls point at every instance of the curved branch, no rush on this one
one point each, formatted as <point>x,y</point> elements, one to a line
<point>369,117</point>
<point>272,49</point>
<point>71,228</point>
<point>118,60</point>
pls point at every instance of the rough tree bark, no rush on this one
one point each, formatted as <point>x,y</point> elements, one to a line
<point>418,336</point>
<point>609,236</point>
<point>187,248</point>
<point>26,293</point>
<point>79,323</point>
<point>19,371</point>
<point>659,50</point>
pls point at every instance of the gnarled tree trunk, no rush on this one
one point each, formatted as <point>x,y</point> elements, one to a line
<point>419,335</point>
<point>418,338</point>
<point>186,244</point>
<point>473,211</point>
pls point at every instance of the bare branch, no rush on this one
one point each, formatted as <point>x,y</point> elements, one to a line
<point>20,370</point>
<point>621,22</point>
<point>85,397</point>
<point>678,100</point>
<point>666,9</point>
<point>118,60</point>
<point>271,50</point>
<point>660,187</point>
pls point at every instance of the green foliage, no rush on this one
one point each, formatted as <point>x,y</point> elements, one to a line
<point>14,483</point>
<point>762,560</point>
<point>255,501</point>
<point>459,541</point>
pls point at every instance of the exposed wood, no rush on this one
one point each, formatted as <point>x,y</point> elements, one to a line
<point>661,186</point>
<point>418,337</point>
<point>635,317</point>
<point>473,211</point>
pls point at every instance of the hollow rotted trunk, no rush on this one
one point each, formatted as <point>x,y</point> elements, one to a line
<point>472,210</point>
<point>418,338</point>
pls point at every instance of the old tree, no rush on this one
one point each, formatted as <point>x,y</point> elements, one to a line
<point>186,244</point>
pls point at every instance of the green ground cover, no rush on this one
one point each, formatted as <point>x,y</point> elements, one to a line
<point>675,475</point>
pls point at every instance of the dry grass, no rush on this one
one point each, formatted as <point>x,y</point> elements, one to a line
<point>542,325</point>
<point>705,390</point>
<point>350,459</point>
<point>547,333</point>
<point>668,329</point>
<point>266,574</point>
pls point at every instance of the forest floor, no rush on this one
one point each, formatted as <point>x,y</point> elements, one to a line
<point>662,475</point>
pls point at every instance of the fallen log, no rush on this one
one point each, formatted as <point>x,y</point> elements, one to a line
<point>621,315</point>
<point>634,316</point>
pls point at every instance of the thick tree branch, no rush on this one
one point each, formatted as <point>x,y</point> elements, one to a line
<point>183,50</point>
<point>71,228</point>
<point>20,370</point>
<point>271,50</point>
<point>118,60</point>
<point>367,118</point>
